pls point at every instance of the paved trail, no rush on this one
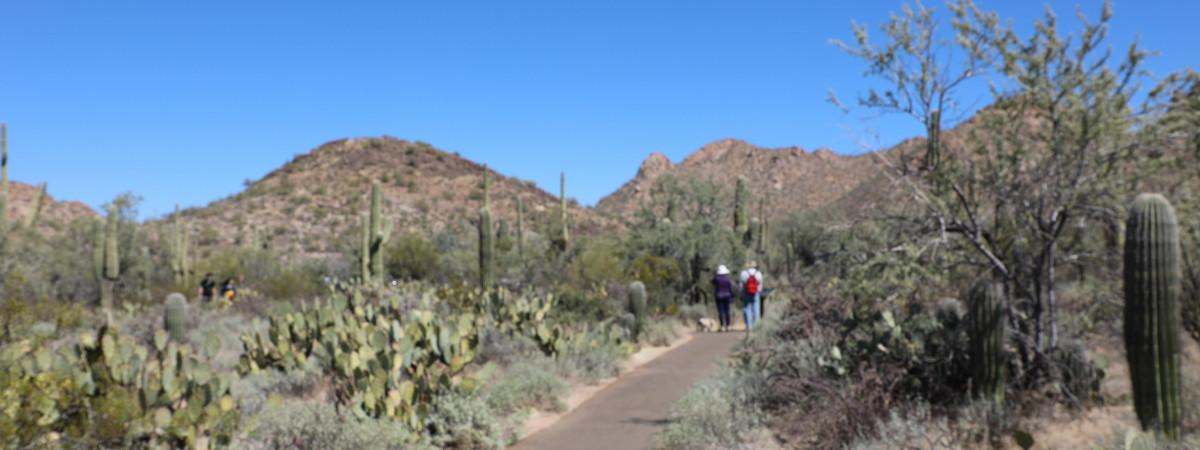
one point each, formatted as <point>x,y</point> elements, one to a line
<point>628,413</point>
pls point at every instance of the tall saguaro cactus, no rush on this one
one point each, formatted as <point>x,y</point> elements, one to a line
<point>1152,274</point>
<point>487,261</point>
<point>108,262</point>
<point>487,194</point>
<point>39,198</point>
<point>179,250</point>
<point>987,315</point>
<point>3,177</point>
<point>637,306</point>
<point>566,236</point>
<point>740,197</point>
<point>520,228</point>
<point>376,232</point>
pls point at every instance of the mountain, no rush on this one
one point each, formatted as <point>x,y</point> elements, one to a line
<point>785,179</point>
<point>320,194</point>
<point>53,215</point>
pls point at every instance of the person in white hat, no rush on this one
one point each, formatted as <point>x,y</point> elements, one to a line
<point>723,289</point>
<point>751,280</point>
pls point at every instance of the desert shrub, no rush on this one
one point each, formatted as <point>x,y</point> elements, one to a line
<point>660,333</point>
<point>910,428</point>
<point>529,383</point>
<point>463,420</point>
<point>592,359</point>
<point>721,413</point>
<point>411,256</point>
<point>254,390</point>
<point>689,314</point>
<point>320,426</point>
<point>500,348</point>
<point>584,306</point>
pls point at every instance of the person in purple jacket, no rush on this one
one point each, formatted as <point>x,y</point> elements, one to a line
<point>724,292</point>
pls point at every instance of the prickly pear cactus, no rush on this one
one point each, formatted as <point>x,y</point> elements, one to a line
<point>1152,273</point>
<point>986,320</point>
<point>175,316</point>
<point>637,305</point>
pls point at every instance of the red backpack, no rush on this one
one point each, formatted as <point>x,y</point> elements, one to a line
<point>752,283</point>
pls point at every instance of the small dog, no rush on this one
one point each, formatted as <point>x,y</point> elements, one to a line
<point>706,324</point>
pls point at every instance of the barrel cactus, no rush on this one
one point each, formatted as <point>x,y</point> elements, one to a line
<point>1152,273</point>
<point>637,305</point>
<point>986,319</point>
<point>175,316</point>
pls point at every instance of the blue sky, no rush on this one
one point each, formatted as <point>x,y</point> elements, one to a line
<point>182,101</point>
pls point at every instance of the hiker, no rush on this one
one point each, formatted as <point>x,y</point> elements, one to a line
<point>723,288</point>
<point>751,282</point>
<point>228,289</point>
<point>206,288</point>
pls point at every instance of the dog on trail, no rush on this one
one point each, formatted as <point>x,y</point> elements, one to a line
<point>706,324</point>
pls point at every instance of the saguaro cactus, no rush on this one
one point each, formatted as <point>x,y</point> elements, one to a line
<point>1152,274</point>
<point>110,261</point>
<point>566,236</point>
<point>179,250</point>
<point>487,262</point>
<point>376,231</point>
<point>487,194</point>
<point>520,228</point>
<point>175,316</point>
<point>39,197</point>
<point>987,316</point>
<point>637,306</point>
<point>740,197</point>
<point>3,176</point>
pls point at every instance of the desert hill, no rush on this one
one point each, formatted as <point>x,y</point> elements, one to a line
<point>54,214</point>
<point>300,207</point>
<point>785,179</point>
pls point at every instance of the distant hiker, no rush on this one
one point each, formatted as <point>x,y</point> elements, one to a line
<point>723,288</point>
<point>206,288</point>
<point>751,284</point>
<point>228,289</point>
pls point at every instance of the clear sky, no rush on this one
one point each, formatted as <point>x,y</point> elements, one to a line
<point>183,101</point>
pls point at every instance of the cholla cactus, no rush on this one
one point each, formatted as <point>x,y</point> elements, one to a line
<point>1152,273</point>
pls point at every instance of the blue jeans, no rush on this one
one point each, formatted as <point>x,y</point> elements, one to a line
<point>723,310</point>
<point>750,309</point>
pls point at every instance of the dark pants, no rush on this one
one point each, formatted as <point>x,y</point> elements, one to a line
<point>723,310</point>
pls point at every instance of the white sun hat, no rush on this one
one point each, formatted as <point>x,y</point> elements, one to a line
<point>722,270</point>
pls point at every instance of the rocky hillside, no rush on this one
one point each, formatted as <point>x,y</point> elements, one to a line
<point>786,179</point>
<point>301,206</point>
<point>54,214</point>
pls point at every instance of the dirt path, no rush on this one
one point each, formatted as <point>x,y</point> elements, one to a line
<point>628,413</point>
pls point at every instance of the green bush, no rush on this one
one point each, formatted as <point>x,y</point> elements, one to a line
<point>721,413</point>
<point>462,420</point>
<point>411,256</point>
<point>319,426</point>
<point>660,333</point>
<point>592,360</point>
<point>529,383</point>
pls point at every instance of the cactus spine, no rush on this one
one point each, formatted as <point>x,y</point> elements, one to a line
<point>110,262</point>
<point>740,225</point>
<point>175,316</point>
<point>376,232</point>
<point>1152,274</point>
<point>637,305</point>
<point>987,316</point>
<point>562,185</point>
<point>487,262</point>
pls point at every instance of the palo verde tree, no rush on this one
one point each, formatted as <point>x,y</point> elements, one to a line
<point>1041,164</point>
